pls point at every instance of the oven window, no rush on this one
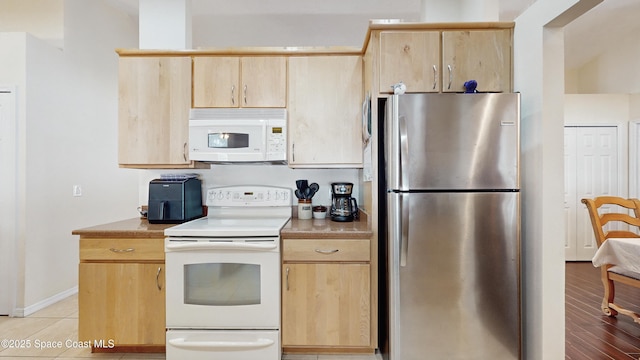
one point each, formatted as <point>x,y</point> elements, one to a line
<point>222,284</point>
<point>228,140</point>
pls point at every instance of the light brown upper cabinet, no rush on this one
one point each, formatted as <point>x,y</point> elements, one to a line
<point>442,61</point>
<point>412,57</point>
<point>325,111</point>
<point>153,111</point>
<point>230,81</point>
<point>481,55</point>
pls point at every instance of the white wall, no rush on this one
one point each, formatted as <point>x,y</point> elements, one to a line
<point>596,108</point>
<point>616,70</point>
<point>285,30</point>
<point>67,135</point>
<point>270,175</point>
<point>41,18</point>
<point>539,64</point>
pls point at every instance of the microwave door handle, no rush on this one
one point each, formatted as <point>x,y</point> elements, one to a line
<point>265,126</point>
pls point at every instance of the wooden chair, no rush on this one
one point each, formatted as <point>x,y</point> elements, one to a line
<point>611,273</point>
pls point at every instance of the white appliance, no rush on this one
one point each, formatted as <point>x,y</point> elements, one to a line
<point>223,276</point>
<point>238,135</point>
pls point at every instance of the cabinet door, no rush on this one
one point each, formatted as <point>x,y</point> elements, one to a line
<point>412,57</point>
<point>264,81</point>
<point>216,81</point>
<point>484,56</point>
<point>122,301</point>
<point>326,305</point>
<point>325,111</point>
<point>154,103</point>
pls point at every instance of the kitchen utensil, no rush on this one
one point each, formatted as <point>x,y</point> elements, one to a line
<point>314,188</point>
<point>306,191</point>
<point>302,184</point>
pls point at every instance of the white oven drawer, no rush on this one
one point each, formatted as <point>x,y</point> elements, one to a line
<point>221,344</point>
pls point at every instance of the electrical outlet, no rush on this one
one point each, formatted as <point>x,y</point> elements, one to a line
<point>77,190</point>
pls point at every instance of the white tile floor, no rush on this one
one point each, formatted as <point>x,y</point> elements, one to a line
<point>59,323</point>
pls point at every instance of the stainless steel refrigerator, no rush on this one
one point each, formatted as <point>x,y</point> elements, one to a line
<point>452,251</point>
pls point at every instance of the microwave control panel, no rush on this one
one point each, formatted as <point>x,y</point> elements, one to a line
<point>276,139</point>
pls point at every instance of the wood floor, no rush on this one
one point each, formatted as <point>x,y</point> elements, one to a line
<point>589,334</point>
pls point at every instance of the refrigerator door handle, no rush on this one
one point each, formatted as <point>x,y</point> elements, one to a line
<point>404,153</point>
<point>404,223</point>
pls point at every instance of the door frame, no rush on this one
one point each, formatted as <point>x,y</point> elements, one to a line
<point>622,133</point>
<point>634,158</point>
<point>10,186</point>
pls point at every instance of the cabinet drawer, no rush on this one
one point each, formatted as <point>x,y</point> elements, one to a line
<point>325,250</point>
<point>122,249</point>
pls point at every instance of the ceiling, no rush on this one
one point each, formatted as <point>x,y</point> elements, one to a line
<point>611,18</point>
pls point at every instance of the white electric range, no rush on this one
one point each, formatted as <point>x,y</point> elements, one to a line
<point>223,276</point>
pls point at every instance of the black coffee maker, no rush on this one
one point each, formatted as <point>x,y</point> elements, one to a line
<point>343,206</point>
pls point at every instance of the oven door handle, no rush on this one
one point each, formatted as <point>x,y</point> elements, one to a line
<point>220,345</point>
<point>186,246</point>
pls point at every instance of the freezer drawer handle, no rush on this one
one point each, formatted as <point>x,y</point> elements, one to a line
<point>220,345</point>
<point>327,252</point>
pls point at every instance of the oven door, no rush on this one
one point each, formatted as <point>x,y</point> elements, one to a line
<point>223,284</point>
<point>227,141</point>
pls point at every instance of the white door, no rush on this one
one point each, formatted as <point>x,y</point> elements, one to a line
<point>591,169</point>
<point>7,195</point>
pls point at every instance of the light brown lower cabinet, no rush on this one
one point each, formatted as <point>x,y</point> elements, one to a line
<point>121,296</point>
<point>326,293</point>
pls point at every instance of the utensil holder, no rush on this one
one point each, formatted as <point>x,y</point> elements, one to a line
<point>304,209</point>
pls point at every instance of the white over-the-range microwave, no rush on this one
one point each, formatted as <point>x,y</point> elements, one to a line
<point>238,135</point>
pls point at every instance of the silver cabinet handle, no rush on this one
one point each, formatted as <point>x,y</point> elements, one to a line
<point>450,76</point>
<point>122,250</point>
<point>158,278</point>
<point>293,152</point>
<point>435,76</point>
<point>287,278</point>
<point>233,96</point>
<point>184,151</point>
<point>326,252</point>
<point>244,94</point>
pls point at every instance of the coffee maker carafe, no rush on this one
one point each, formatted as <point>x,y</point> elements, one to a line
<point>343,206</point>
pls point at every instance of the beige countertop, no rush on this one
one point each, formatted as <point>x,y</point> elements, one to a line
<point>130,228</point>
<point>326,229</point>
<point>295,228</point>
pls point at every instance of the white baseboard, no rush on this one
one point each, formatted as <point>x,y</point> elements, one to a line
<point>22,312</point>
